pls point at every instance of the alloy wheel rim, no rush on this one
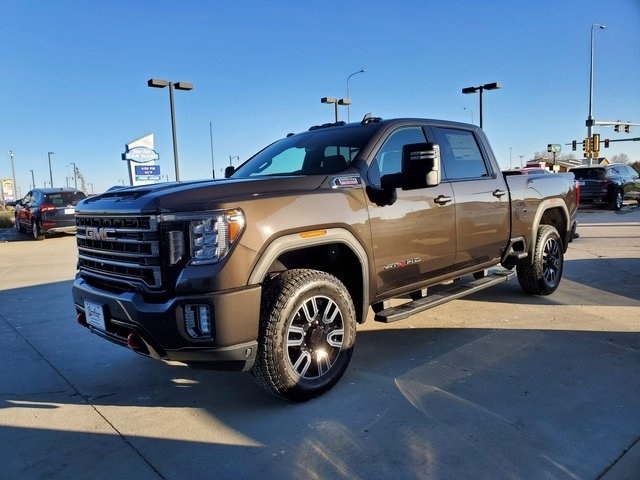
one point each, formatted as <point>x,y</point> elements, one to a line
<point>315,337</point>
<point>551,261</point>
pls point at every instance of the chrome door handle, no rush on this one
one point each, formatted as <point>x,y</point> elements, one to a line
<point>442,199</point>
<point>499,193</point>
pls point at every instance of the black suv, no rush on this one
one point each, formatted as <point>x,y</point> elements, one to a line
<point>607,184</point>
<point>48,210</point>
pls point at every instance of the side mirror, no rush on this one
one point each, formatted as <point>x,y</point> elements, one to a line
<point>420,168</point>
<point>420,165</point>
<point>228,171</point>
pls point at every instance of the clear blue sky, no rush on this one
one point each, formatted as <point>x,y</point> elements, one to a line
<point>74,75</point>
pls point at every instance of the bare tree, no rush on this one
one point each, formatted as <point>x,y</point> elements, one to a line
<point>620,158</point>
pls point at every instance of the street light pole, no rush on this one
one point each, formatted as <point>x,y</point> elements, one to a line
<point>157,83</point>
<point>13,175</point>
<point>589,122</point>
<point>336,102</point>
<point>50,171</point>
<point>362,70</point>
<point>33,180</point>
<point>481,88</point>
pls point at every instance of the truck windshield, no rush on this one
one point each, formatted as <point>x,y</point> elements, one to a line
<point>317,152</point>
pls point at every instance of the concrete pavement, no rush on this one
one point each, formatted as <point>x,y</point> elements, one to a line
<point>499,385</point>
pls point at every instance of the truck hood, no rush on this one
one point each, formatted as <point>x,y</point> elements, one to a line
<point>197,195</point>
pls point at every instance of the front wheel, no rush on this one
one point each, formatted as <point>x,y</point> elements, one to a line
<point>618,200</point>
<point>36,231</point>
<point>542,277</point>
<point>18,225</point>
<point>307,334</point>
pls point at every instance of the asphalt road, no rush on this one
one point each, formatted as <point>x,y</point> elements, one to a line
<point>498,385</point>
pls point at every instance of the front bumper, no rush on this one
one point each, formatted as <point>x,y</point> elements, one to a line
<point>158,330</point>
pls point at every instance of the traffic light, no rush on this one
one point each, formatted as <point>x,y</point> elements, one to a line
<point>627,128</point>
<point>595,143</point>
<point>606,143</point>
<point>573,145</point>
<point>586,147</point>
<point>616,128</point>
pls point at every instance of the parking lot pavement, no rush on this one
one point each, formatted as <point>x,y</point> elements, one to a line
<point>498,385</point>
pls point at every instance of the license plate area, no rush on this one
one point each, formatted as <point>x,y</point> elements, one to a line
<point>94,314</point>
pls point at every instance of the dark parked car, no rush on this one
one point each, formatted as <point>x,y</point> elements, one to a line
<point>608,184</point>
<point>48,210</point>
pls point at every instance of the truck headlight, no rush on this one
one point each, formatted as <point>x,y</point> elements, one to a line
<point>212,237</point>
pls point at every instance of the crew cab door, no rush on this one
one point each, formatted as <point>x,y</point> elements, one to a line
<point>482,209</point>
<point>414,237</point>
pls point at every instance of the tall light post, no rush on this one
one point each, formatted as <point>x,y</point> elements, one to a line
<point>157,83</point>
<point>13,175</point>
<point>362,70</point>
<point>33,180</point>
<point>336,102</point>
<point>481,88</point>
<point>50,171</point>
<point>589,122</point>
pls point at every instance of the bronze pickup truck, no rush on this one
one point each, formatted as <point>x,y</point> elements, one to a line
<point>271,269</point>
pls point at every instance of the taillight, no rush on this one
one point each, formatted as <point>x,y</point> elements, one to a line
<point>46,208</point>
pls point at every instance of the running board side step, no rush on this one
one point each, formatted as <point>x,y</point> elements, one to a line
<point>456,290</point>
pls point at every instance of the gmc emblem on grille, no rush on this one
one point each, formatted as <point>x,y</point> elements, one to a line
<point>95,233</point>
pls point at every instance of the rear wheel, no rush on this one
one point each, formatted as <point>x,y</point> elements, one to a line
<point>307,334</point>
<point>36,231</point>
<point>543,276</point>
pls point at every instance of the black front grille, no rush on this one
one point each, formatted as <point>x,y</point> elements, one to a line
<point>121,251</point>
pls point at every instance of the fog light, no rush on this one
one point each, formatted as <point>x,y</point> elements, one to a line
<point>197,320</point>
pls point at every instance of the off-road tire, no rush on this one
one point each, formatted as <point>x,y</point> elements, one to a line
<point>543,276</point>
<point>307,334</point>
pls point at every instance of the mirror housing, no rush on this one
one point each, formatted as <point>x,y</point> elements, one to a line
<point>228,171</point>
<point>420,168</point>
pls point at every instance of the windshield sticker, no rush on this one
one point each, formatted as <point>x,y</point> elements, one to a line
<point>346,181</point>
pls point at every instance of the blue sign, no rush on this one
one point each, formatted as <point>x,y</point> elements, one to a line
<point>147,173</point>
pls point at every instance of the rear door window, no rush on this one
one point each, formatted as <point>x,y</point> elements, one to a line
<point>589,173</point>
<point>461,156</point>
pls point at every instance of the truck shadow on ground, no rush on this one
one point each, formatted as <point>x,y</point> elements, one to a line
<point>617,276</point>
